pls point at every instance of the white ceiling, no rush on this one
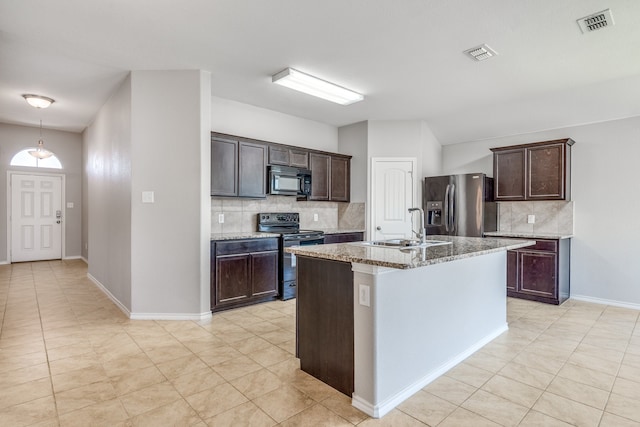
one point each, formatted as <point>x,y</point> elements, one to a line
<point>404,56</point>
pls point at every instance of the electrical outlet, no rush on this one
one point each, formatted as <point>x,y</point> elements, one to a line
<point>364,297</point>
<point>221,218</point>
<point>531,219</point>
<point>315,217</point>
<point>148,197</point>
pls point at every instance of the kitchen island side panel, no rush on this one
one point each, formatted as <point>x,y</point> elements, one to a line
<point>324,310</point>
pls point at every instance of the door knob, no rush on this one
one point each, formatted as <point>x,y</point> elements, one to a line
<point>378,228</point>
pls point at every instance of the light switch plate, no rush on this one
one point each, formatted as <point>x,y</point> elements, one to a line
<point>70,205</point>
<point>364,296</point>
<point>531,219</point>
<point>221,218</point>
<point>148,197</point>
<point>315,217</point>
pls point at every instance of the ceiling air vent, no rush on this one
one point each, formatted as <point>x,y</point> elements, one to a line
<point>596,21</point>
<point>480,53</point>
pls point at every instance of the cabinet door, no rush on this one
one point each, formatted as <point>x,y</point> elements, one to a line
<point>320,165</point>
<point>264,273</point>
<point>546,172</point>
<point>299,158</point>
<point>232,278</point>
<point>224,167</point>
<point>538,273</point>
<point>278,155</point>
<point>512,270</point>
<point>252,175</point>
<point>340,179</point>
<point>509,174</point>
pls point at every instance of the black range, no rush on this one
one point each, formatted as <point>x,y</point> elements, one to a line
<point>287,224</point>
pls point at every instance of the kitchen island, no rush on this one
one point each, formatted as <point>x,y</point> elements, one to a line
<point>379,323</point>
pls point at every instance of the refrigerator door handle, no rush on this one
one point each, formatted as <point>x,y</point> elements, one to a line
<point>452,208</point>
<point>446,208</point>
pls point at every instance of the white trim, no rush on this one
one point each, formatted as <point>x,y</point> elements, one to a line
<point>378,411</point>
<point>149,316</point>
<point>115,300</point>
<point>170,316</point>
<point>86,261</point>
<point>5,262</point>
<point>72,257</point>
<point>603,301</point>
<point>63,202</point>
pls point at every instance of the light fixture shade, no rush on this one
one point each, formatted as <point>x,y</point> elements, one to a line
<point>38,101</point>
<point>311,85</point>
<point>40,152</point>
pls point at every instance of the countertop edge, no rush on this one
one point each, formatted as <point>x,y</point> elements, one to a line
<point>239,235</point>
<point>324,252</point>
<point>510,234</point>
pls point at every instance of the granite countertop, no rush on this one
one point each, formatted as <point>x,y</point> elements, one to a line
<point>461,247</point>
<point>242,235</point>
<point>527,235</point>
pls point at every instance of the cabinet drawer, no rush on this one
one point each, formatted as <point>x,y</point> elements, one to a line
<point>246,246</point>
<point>543,245</point>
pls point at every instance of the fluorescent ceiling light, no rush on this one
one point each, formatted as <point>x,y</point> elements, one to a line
<point>311,85</point>
<point>38,101</point>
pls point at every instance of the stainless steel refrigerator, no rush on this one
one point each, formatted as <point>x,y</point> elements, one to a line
<point>459,205</point>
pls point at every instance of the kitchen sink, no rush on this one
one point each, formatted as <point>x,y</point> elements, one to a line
<point>404,243</point>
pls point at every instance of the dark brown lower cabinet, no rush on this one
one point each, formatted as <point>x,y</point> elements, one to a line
<point>540,272</point>
<point>357,236</point>
<point>324,326</point>
<point>243,272</point>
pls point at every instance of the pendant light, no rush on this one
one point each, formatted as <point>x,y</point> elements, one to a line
<point>40,152</point>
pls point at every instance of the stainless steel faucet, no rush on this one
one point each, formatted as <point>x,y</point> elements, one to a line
<point>422,234</point>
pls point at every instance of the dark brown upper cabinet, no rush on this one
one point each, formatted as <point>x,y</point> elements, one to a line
<point>320,165</point>
<point>238,168</point>
<point>286,156</point>
<point>538,171</point>
<point>340,181</point>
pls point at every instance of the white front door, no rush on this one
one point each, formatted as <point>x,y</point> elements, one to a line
<point>392,194</point>
<point>36,217</point>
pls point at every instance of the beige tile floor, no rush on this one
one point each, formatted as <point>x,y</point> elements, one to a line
<point>69,357</point>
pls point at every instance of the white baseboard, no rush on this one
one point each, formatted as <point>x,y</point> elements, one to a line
<point>72,257</point>
<point>606,302</point>
<point>378,411</point>
<point>104,290</point>
<point>171,316</point>
<point>5,262</point>
<point>86,261</point>
<point>149,316</point>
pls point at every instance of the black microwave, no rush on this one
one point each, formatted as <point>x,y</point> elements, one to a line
<point>288,181</point>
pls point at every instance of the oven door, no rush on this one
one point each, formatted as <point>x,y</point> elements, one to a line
<point>289,271</point>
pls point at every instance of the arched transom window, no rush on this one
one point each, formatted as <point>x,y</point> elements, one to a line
<point>23,158</point>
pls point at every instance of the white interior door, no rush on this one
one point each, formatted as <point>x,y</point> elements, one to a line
<point>36,217</point>
<point>392,194</point>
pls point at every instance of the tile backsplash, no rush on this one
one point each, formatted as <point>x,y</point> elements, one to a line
<point>241,215</point>
<point>551,217</point>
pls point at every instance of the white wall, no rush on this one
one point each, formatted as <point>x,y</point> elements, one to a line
<point>67,147</point>
<point>353,140</point>
<point>246,120</point>
<point>170,156</point>
<point>604,253</point>
<point>152,135</point>
<point>107,155</point>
